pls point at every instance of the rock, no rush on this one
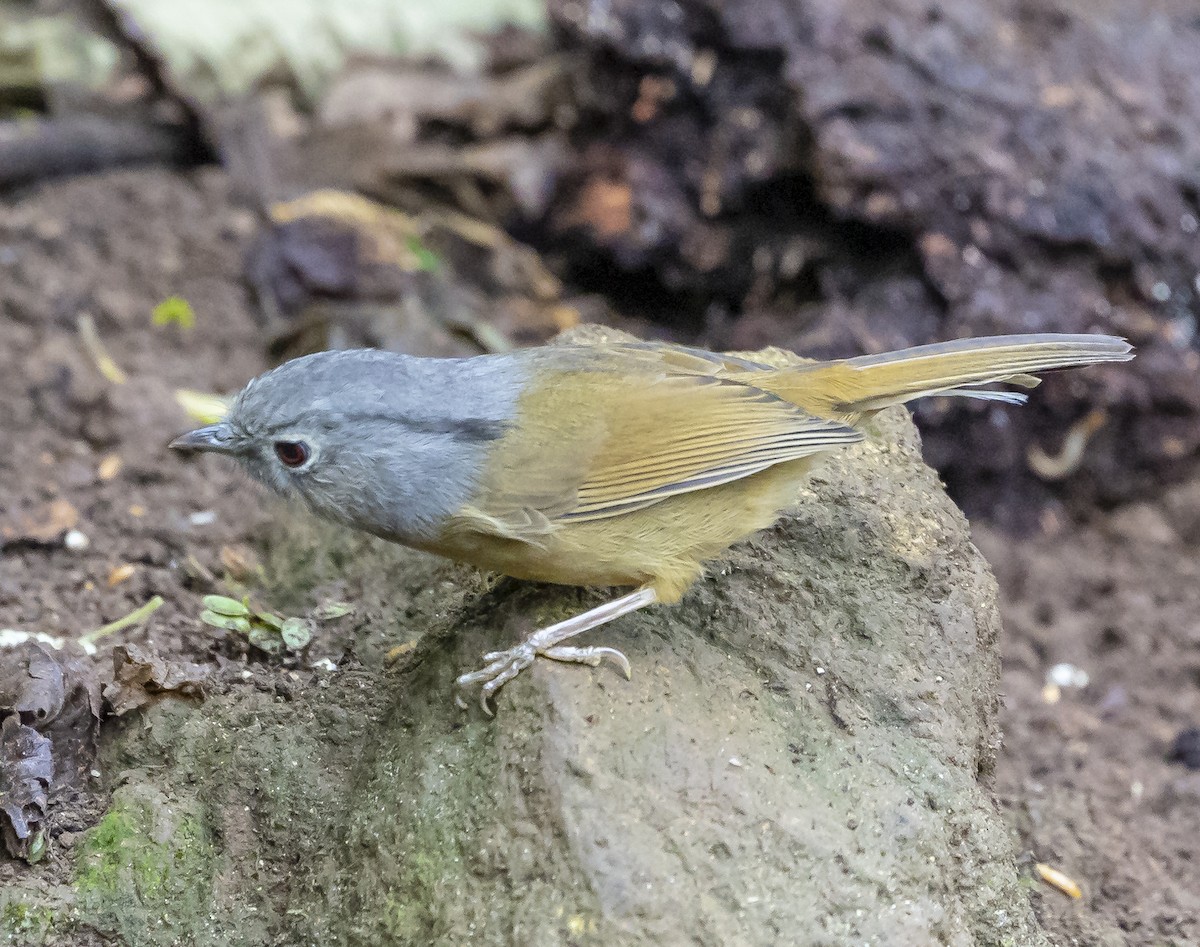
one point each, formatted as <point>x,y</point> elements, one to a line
<point>803,755</point>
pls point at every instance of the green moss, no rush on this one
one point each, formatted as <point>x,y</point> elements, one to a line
<point>145,871</point>
<point>25,924</point>
<point>403,902</point>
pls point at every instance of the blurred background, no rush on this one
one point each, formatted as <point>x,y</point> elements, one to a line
<point>192,191</point>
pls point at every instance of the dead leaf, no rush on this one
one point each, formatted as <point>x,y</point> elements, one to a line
<point>110,466</point>
<point>32,684</point>
<point>403,98</point>
<point>119,574</point>
<point>59,695</point>
<point>44,525</point>
<point>604,205</point>
<point>241,563</point>
<point>26,770</point>
<point>139,675</point>
<point>382,234</point>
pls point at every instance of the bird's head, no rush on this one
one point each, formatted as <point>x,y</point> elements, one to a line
<point>383,442</point>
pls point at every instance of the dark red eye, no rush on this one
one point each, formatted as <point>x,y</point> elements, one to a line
<point>292,453</point>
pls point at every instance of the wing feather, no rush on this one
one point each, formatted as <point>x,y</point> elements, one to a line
<point>627,426</point>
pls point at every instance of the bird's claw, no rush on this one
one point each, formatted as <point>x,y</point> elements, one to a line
<point>502,666</point>
<point>592,657</point>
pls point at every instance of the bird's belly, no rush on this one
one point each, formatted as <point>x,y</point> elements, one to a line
<point>664,545</point>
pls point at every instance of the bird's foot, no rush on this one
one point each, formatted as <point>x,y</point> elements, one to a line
<point>502,666</point>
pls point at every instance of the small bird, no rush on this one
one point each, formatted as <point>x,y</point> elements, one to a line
<point>608,464</point>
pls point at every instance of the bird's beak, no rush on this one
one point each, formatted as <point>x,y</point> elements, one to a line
<point>218,438</point>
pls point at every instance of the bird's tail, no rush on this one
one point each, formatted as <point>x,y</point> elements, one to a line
<point>852,387</point>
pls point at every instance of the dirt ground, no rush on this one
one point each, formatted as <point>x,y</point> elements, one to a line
<point>1086,781</point>
<point>112,248</point>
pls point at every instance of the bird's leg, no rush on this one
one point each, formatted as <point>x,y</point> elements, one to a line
<point>503,666</point>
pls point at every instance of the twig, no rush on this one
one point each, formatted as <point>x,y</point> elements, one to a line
<point>1061,465</point>
<point>136,617</point>
<point>33,150</point>
<point>95,348</point>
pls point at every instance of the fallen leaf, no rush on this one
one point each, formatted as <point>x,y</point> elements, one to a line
<point>110,466</point>
<point>240,562</point>
<point>202,407</point>
<point>26,769</point>
<point>50,705</point>
<point>44,525</point>
<point>48,689</point>
<point>139,675</point>
<point>604,205</point>
<point>119,574</point>
<point>32,684</point>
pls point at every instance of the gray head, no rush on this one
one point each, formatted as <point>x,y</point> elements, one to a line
<point>387,443</point>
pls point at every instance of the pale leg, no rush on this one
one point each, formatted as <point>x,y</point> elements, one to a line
<point>503,666</point>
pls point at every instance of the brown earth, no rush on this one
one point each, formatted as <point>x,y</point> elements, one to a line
<point>1085,781</point>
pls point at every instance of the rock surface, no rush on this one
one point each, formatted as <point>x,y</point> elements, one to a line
<point>803,756</point>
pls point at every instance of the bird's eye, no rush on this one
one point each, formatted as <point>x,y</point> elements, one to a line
<point>292,453</point>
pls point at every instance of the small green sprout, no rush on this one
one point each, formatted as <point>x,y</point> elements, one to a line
<point>426,260</point>
<point>263,630</point>
<point>296,633</point>
<point>231,607</point>
<point>174,310</point>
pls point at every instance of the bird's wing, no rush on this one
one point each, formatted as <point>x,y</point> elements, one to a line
<point>614,432</point>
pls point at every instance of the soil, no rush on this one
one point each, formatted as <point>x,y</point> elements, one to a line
<point>113,247</point>
<point>1086,781</point>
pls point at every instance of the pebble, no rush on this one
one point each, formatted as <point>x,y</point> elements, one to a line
<point>76,541</point>
<point>1067,675</point>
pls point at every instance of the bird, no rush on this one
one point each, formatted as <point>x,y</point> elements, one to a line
<point>614,464</point>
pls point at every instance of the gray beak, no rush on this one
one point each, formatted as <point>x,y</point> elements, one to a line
<point>218,438</point>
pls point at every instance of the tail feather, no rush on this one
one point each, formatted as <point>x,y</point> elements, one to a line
<point>852,387</point>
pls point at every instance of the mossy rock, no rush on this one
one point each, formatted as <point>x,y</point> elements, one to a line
<point>803,755</point>
<point>146,871</point>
